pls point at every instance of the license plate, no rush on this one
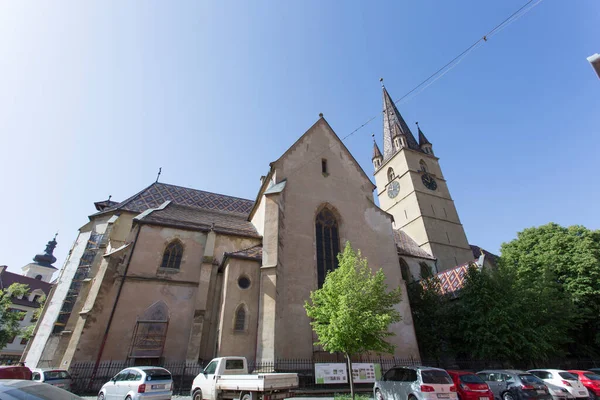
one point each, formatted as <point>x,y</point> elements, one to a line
<point>582,392</point>
<point>443,395</point>
<point>541,392</point>
<point>484,398</point>
<point>158,386</point>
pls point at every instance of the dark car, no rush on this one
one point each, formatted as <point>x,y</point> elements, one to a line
<point>590,380</point>
<point>18,389</point>
<point>15,372</point>
<point>470,386</point>
<point>509,384</point>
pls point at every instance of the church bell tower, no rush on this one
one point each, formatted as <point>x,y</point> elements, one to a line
<point>411,187</point>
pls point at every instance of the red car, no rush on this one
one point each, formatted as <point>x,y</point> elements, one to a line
<point>470,386</point>
<point>590,380</point>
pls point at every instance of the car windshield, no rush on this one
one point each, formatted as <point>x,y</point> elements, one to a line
<point>470,378</point>
<point>54,375</point>
<point>37,392</point>
<point>435,376</point>
<point>157,375</point>
<point>593,377</point>
<point>568,376</point>
<point>528,378</point>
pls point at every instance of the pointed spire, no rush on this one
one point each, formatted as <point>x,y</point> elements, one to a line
<point>392,120</point>
<point>422,139</point>
<point>376,151</point>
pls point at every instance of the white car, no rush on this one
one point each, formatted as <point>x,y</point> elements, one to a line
<point>563,379</point>
<point>139,383</point>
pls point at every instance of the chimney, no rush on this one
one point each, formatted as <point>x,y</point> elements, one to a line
<point>595,62</point>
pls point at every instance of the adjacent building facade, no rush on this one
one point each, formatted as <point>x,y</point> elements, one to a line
<point>37,276</point>
<point>175,273</point>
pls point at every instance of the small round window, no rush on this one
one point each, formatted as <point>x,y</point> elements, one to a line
<point>243,282</point>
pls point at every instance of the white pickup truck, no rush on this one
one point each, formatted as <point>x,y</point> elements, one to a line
<point>228,378</point>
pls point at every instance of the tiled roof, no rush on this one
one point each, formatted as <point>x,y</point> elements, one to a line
<point>408,247</point>
<point>452,279</point>
<point>157,193</point>
<point>253,253</point>
<point>8,278</point>
<point>391,119</point>
<point>200,219</point>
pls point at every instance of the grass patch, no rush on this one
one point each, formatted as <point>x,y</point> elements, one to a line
<point>346,396</point>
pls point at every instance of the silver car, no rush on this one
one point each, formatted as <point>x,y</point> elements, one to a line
<point>55,377</point>
<point>415,383</point>
<point>139,383</point>
<point>21,389</point>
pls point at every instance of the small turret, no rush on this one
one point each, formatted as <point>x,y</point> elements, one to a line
<point>424,144</point>
<point>398,137</point>
<point>377,157</point>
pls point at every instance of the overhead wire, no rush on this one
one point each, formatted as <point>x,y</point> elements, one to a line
<point>524,9</point>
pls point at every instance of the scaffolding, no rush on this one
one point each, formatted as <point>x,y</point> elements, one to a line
<point>82,274</point>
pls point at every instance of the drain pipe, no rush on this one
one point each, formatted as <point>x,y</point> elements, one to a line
<point>114,308</point>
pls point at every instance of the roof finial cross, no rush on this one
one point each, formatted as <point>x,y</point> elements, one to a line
<point>381,80</point>
<point>109,197</point>
<point>55,235</point>
<point>159,171</point>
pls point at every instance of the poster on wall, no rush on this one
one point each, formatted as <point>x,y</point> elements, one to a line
<point>330,373</point>
<point>366,372</point>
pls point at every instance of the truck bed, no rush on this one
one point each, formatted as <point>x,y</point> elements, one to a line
<point>257,382</point>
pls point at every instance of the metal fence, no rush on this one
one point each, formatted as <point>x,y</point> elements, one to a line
<point>86,382</point>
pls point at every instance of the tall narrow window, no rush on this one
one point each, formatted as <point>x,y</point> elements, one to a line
<point>391,175</point>
<point>240,319</point>
<point>425,271</point>
<point>324,166</point>
<point>328,244</point>
<point>423,166</point>
<point>404,270</point>
<point>172,255</point>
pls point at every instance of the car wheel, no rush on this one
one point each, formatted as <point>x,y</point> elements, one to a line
<point>128,398</point>
<point>592,395</point>
<point>100,396</point>
<point>508,396</point>
<point>245,396</point>
<point>379,395</point>
<point>197,395</point>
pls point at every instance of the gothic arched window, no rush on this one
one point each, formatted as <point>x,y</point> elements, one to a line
<point>425,271</point>
<point>240,319</point>
<point>328,244</point>
<point>172,255</point>
<point>404,270</point>
<point>391,175</point>
<point>423,166</point>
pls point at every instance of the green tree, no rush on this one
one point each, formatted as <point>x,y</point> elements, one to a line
<point>27,333</point>
<point>505,317</point>
<point>432,317</point>
<point>353,310</point>
<point>9,320</point>
<point>571,257</point>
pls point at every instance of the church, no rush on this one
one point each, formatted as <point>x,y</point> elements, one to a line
<point>174,273</point>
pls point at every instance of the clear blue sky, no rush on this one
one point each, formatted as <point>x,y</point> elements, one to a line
<point>96,96</point>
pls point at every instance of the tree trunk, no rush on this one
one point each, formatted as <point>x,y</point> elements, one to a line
<point>350,377</point>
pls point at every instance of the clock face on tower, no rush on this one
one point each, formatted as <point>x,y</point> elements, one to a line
<point>428,181</point>
<point>393,189</point>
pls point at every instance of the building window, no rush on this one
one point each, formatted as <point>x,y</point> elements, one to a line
<point>425,271</point>
<point>243,282</point>
<point>24,341</point>
<point>38,277</point>
<point>423,166</point>
<point>391,175</point>
<point>172,255</point>
<point>324,167</point>
<point>240,319</point>
<point>16,310</point>
<point>404,270</point>
<point>12,339</point>
<point>328,244</point>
